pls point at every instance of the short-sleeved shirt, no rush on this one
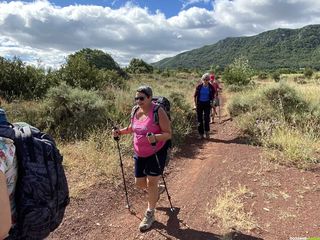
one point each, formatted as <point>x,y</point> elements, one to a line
<point>142,147</point>
<point>9,167</point>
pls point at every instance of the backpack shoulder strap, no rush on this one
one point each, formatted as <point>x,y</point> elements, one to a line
<point>134,111</point>
<point>156,113</point>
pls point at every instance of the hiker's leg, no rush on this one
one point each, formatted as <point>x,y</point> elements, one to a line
<point>141,182</point>
<point>200,118</point>
<point>207,109</point>
<point>139,172</point>
<point>213,111</point>
<point>153,194</point>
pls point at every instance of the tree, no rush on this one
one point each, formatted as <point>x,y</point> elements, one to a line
<point>79,72</point>
<point>17,80</point>
<point>99,59</point>
<point>238,73</point>
<point>139,66</point>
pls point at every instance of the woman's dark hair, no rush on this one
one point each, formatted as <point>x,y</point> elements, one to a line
<point>145,90</point>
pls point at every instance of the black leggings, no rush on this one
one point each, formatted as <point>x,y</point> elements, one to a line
<point>203,108</point>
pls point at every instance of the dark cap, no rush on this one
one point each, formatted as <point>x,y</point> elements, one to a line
<point>146,90</point>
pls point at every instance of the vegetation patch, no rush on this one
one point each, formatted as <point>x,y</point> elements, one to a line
<point>229,209</point>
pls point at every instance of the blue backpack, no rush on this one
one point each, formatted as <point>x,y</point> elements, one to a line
<point>42,191</point>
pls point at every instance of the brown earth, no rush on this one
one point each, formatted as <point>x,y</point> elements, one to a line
<point>284,201</point>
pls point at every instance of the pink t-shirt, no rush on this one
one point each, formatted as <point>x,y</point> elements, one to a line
<point>140,128</point>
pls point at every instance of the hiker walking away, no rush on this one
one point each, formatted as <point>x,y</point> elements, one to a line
<point>203,99</point>
<point>216,102</point>
<point>147,172</point>
<point>8,178</point>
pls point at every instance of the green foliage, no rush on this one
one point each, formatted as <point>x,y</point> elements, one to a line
<point>289,49</point>
<point>276,76</point>
<point>216,69</point>
<point>283,118</point>
<point>262,75</point>
<point>20,81</point>
<point>72,113</point>
<point>139,66</point>
<point>238,73</point>
<point>181,116</point>
<point>308,72</point>
<point>78,72</point>
<point>99,60</point>
<point>286,100</point>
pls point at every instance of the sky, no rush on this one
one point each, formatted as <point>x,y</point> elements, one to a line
<point>44,33</point>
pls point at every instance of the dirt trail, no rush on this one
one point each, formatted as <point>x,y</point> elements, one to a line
<point>284,201</point>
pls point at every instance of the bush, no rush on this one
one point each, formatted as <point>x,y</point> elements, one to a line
<point>238,73</point>
<point>79,73</point>
<point>263,75</point>
<point>20,81</point>
<point>308,72</point>
<point>285,100</point>
<point>72,113</point>
<point>181,116</point>
<point>139,66</point>
<point>276,76</point>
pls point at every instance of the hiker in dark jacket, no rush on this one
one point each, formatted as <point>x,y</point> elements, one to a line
<point>203,100</point>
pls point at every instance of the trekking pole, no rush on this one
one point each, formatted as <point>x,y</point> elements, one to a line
<point>164,182</point>
<point>219,110</point>
<point>117,138</point>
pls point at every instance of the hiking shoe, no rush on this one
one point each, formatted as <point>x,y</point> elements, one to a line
<point>147,221</point>
<point>201,136</point>
<point>207,135</point>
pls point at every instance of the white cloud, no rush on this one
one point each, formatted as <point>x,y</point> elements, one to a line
<point>186,3</point>
<point>40,30</point>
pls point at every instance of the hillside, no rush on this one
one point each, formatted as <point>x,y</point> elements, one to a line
<point>279,48</point>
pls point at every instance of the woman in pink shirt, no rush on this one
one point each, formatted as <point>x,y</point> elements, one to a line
<point>147,172</point>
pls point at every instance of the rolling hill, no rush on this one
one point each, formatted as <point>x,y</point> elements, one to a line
<point>279,48</point>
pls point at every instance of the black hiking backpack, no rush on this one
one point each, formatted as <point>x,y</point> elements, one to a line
<point>42,191</point>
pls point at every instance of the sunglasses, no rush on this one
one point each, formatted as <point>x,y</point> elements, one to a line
<point>139,98</point>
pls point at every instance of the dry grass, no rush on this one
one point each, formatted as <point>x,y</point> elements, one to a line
<point>230,211</point>
<point>296,148</point>
<point>91,162</point>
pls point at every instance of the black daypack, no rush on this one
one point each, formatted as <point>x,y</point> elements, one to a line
<point>42,191</point>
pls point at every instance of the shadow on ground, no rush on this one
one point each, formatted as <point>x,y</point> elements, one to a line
<point>173,229</point>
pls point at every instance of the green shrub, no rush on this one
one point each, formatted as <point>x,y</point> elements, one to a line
<point>17,80</point>
<point>72,113</point>
<point>263,75</point>
<point>139,66</point>
<point>308,72</point>
<point>181,116</point>
<point>276,76</point>
<point>238,73</point>
<point>286,100</point>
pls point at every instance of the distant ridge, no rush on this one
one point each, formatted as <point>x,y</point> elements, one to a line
<point>279,48</point>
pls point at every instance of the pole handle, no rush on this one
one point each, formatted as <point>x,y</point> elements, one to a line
<point>116,138</point>
<point>151,134</point>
